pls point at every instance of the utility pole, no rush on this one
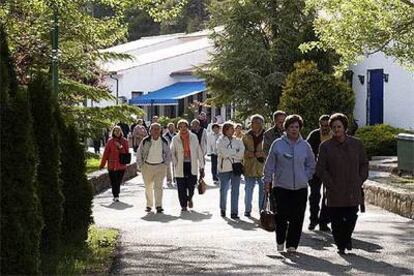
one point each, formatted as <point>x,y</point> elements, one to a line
<point>55,50</point>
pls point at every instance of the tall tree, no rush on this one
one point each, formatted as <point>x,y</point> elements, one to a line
<point>82,34</point>
<point>47,146</point>
<point>21,220</point>
<point>78,193</point>
<point>355,29</point>
<point>309,92</point>
<point>193,17</point>
<point>255,51</point>
<point>140,24</point>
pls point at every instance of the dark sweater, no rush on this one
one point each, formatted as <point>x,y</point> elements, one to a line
<point>343,168</point>
<point>314,139</point>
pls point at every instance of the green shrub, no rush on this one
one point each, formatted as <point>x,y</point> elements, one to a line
<point>164,121</point>
<point>92,164</point>
<point>78,193</point>
<point>21,220</point>
<point>47,146</point>
<point>311,93</point>
<point>379,140</point>
<point>91,155</point>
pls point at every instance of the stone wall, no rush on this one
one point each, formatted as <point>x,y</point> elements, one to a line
<point>392,199</point>
<point>100,179</point>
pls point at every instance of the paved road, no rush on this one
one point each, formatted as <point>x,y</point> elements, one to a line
<point>201,242</point>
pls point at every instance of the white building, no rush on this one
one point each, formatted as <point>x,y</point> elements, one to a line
<point>384,92</point>
<point>160,79</point>
<point>160,76</point>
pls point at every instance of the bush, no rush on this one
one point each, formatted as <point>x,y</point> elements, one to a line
<point>47,145</point>
<point>311,93</point>
<point>78,193</point>
<point>379,140</point>
<point>21,222</point>
<point>164,121</point>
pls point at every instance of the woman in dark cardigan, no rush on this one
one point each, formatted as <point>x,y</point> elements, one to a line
<point>343,167</point>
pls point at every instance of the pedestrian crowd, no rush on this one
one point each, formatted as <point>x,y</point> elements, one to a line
<point>284,166</point>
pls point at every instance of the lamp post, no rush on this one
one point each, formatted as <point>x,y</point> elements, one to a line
<point>55,50</point>
<point>113,75</point>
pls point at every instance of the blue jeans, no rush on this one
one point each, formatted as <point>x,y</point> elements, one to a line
<point>227,179</point>
<point>248,189</point>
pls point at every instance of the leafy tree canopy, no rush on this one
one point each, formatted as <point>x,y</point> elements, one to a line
<point>256,50</point>
<point>82,33</point>
<point>354,28</point>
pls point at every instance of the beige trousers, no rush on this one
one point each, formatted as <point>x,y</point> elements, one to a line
<point>153,179</point>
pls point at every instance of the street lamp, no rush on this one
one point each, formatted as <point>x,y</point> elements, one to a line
<point>55,50</point>
<point>113,76</point>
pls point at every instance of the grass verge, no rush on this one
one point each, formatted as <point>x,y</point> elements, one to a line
<point>94,258</point>
<point>92,164</point>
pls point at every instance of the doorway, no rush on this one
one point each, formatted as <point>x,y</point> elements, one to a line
<point>375,97</point>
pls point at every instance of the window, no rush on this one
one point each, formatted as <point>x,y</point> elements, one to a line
<point>228,112</point>
<point>122,99</point>
<point>180,107</point>
<point>169,111</point>
<point>136,94</point>
<point>218,110</point>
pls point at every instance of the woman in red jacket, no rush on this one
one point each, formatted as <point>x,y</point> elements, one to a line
<point>115,145</point>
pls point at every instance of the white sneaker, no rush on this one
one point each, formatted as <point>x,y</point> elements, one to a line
<point>291,249</point>
<point>116,199</point>
<point>280,247</point>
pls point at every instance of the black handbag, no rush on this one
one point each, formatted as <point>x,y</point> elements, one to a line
<point>237,167</point>
<point>125,158</point>
<point>266,215</point>
<point>202,186</point>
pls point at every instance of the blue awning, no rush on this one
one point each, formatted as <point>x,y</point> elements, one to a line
<point>170,95</point>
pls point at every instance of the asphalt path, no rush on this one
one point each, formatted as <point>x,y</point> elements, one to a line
<point>202,242</point>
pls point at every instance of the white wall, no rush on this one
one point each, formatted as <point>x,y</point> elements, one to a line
<point>153,76</point>
<point>398,91</point>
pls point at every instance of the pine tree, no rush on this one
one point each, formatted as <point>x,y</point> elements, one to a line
<point>78,193</point>
<point>47,145</point>
<point>21,221</point>
<point>256,50</point>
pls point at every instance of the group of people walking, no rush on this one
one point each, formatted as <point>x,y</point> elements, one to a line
<point>278,161</point>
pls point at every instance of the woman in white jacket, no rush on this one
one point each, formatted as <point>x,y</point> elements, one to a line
<point>188,161</point>
<point>230,153</point>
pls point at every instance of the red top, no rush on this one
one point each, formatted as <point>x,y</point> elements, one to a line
<point>111,154</point>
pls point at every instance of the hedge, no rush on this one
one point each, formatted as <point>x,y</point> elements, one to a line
<point>379,140</point>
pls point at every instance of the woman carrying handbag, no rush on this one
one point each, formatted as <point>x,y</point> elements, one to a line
<point>230,152</point>
<point>117,155</point>
<point>288,168</point>
<point>267,215</point>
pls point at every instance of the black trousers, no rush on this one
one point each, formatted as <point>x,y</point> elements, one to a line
<point>97,145</point>
<point>186,185</point>
<point>343,221</point>
<point>214,167</point>
<point>290,212</point>
<point>116,180</point>
<point>314,201</point>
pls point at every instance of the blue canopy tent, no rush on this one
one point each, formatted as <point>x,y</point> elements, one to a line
<point>169,95</point>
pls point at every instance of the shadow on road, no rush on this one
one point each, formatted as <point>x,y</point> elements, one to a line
<point>195,216</point>
<point>307,262</point>
<point>316,240</point>
<point>377,267</point>
<point>241,224</point>
<point>165,218</point>
<point>321,240</point>
<point>163,259</point>
<point>118,205</point>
